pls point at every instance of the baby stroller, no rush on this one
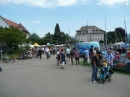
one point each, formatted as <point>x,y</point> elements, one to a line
<point>104,74</point>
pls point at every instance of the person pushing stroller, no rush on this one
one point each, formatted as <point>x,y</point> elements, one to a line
<point>104,73</point>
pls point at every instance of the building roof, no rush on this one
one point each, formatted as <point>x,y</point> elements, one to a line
<point>15,25</point>
<point>84,28</point>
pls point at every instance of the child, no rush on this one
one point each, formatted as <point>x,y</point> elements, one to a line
<point>104,63</point>
<point>62,57</point>
<point>105,68</point>
<point>116,59</point>
<point>58,57</point>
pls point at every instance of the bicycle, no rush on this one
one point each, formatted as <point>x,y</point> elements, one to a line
<point>11,58</point>
<point>4,58</point>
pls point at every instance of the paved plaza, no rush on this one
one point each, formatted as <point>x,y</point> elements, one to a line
<point>43,78</point>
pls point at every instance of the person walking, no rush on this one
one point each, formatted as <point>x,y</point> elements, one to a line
<point>68,53</point>
<point>95,64</point>
<point>62,58</point>
<point>47,52</point>
<point>37,49</point>
<point>71,56</point>
<point>91,52</point>
<point>40,52</point>
<point>58,57</point>
<point>77,55</point>
<point>86,56</point>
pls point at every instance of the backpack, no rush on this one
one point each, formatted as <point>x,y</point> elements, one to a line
<point>128,55</point>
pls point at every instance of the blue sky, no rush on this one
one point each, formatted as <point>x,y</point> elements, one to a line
<point>41,16</point>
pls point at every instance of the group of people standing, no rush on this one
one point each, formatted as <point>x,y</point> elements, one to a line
<point>69,54</point>
<point>48,51</point>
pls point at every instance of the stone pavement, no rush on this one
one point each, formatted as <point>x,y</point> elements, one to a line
<point>43,78</point>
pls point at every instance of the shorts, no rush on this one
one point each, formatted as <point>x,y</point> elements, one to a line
<point>68,55</point>
<point>76,58</point>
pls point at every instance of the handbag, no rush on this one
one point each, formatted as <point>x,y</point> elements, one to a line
<point>56,57</point>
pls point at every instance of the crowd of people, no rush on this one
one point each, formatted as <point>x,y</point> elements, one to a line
<point>93,54</point>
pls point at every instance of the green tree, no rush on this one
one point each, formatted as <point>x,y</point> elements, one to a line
<point>48,38</point>
<point>57,33</point>
<point>34,37</point>
<point>101,41</point>
<point>111,36</point>
<point>12,37</point>
<point>120,34</point>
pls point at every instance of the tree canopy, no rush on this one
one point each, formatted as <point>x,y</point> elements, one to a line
<point>11,36</point>
<point>120,32</point>
<point>34,37</point>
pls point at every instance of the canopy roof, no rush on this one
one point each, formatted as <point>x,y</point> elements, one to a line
<point>36,44</point>
<point>50,45</point>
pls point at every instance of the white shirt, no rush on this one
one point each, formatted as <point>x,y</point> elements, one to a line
<point>42,49</point>
<point>46,50</point>
<point>67,51</point>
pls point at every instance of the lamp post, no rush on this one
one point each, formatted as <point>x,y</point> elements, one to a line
<point>105,31</point>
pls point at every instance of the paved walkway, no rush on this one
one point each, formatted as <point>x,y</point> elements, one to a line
<point>43,78</point>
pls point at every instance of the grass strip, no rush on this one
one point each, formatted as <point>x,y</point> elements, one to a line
<point>117,71</point>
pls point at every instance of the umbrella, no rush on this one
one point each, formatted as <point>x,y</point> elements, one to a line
<point>35,44</point>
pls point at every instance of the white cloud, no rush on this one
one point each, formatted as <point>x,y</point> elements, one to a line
<point>65,3</point>
<point>113,2</point>
<point>36,21</point>
<point>45,3</point>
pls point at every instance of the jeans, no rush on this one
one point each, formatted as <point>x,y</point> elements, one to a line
<point>128,67</point>
<point>47,55</point>
<point>94,73</point>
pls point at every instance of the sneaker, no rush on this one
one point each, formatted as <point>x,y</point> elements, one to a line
<point>94,81</point>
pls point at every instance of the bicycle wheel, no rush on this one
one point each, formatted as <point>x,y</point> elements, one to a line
<point>12,60</point>
<point>6,60</point>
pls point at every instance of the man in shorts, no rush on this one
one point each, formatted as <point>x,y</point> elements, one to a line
<point>68,53</point>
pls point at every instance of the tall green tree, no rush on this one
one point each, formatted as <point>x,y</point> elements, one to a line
<point>57,33</point>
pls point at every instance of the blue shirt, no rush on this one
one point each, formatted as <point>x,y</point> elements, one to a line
<point>109,57</point>
<point>86,52</point>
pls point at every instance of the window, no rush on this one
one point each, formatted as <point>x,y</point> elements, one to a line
<point>89,30</point>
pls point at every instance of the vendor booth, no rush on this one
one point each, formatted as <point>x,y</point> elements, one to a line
<point>35,50</point>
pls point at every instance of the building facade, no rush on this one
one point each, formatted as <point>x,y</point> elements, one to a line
<point>5,23</point>
<point>89,33</point>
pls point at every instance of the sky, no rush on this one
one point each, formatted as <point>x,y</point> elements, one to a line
<point>41,16</point>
